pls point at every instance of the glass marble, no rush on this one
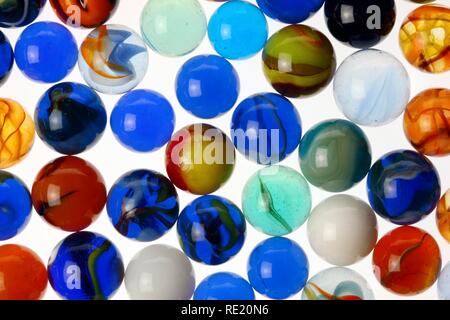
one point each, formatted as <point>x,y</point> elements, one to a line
<point>238,30</point>
<point>15,205</point>
<point>425,38</point>
<point>360,23</point>
<point>69,193</point>
<point>70,118</point>
<point>443,284</point>
<point>290,11</point>
<point>211,230</point>
<point>407,261</point>
<point>19,13</point>
<point>337,283</point>
<point>207,86</point>
<point>427,122</point>
<point>276,200</point>
<point>342,230</point>
<point>371,87</point>
<point>173,27</point>
<point>133,120</point>
<point>266,128</point>
<point>84,13</point>
<point>170,271</point>
<point>443,215</point>
<point>113,59</point>
<point>143,205</point>
<point>46,52</point>
<point>299,61</point>
<point>24,276</point>
<point>224,286</point>
<point>278,268</point>
<point>335,155</point>
<point>85,266</point>
<point>403,187</point>
<point>200,159</point>
<point>6,58</point>
<point>16,133</point>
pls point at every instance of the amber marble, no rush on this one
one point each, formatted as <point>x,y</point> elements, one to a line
<point>16,133</point>
<point>443,216</point>
<point>425,38</point>
<point>407,261</point>
<point>427,122</point>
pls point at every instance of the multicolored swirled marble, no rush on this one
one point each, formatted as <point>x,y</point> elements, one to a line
<point>443,215</point>
<point>211,230</point>
<point>84,13</point>
<point>407,261</point>
<point>143,205</point>
<point>6,58</point>
<point>16,133</point>
<point>85,266</point>
<point>19,13</point>
<point>425,38</point>
<point>113,59</point>
<point>337,284</point>
<point>403,187</point>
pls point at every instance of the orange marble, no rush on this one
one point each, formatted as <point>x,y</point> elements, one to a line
<point>407,261</point>
<point>443,216</point>
<point>427,122</point>
<point>23,276</point>
<point>16,133</point>
<point>425,38</point>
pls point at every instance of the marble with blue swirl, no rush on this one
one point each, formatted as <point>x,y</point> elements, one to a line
<point>85,266</point>
<point>113,59</point>
<point>403,187</point>
<point>143,205</point>
<point>266,128</point>
<point>19,13</point>
<point>211,230</point>
<point>6,58</point>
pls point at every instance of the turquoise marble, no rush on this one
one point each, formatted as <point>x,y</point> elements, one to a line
<point>173,27</point>
<point>276,200</point>
<point>371,87</point>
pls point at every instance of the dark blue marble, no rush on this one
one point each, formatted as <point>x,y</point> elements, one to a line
<point>46,52</point>
<point>290,11</point>
<point>224,286</point>
<point>15,205</point>
<point>70,118</point>
<point>143,205</point>
<point>211,230</point>
<point>6,58</point>
<point>19,13</point>
<point>403,187</point>
<point>85,266</point>
<point>266,128</point>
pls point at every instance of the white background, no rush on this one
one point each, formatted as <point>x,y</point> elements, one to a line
<point>113,160</point>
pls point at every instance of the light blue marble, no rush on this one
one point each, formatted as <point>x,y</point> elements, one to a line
<point>444,283</point>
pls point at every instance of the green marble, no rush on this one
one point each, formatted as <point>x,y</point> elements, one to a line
<point>335,155</point>
<point>276,200</point>
<point>173,27</point>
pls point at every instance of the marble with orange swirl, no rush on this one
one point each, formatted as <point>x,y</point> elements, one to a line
<point>443,216</point>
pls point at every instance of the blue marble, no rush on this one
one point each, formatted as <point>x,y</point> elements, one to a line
<point>19,13</point>
<point>85,266</point>
<point>15,205</point>
<point>238,30</point>
<point>70,117</point>
<point>266,128</point>
<point>207,86</point>
<point>290,11</point>
<point>278,268</point>
<point>211,230</point>
<point>143,120</point>
<point>46,52</point>
<point>371,87</point>
<point>224,286</point>
<point>6,58</point>
<point>403,187</point>
<point>143,205</point>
